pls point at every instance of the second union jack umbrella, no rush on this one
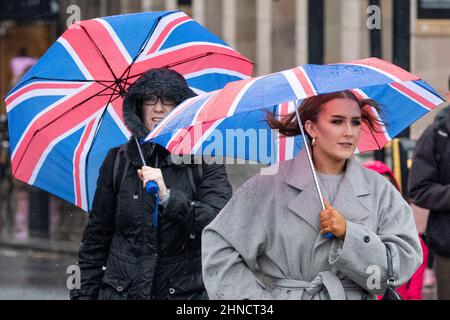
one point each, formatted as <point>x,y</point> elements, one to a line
<point>66,112</point>
<point>222,123</point>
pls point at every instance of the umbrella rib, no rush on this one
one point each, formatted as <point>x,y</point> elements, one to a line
<point>128,69</point>
<point>376,141</point>
<point>100,52</point>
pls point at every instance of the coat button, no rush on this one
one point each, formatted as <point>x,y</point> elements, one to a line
<point>119,288</point>
<point>171,290</point>
<point>155,255</point>
<point>366,239</point>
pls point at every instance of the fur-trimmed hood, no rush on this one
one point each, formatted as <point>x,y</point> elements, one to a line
<point>161,82</point>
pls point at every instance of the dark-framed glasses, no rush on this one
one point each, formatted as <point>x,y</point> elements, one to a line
<point>153,99</point>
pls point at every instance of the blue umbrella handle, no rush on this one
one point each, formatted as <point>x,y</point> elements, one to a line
<point>151,187</point>
<point>329,235</point>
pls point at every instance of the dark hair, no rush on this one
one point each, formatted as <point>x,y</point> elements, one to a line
<point>162,82</point>
<point>310,109</point>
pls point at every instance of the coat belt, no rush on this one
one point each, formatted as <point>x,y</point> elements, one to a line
<point>325,279</point>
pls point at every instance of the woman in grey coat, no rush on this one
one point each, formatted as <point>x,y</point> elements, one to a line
<point>268,241</point>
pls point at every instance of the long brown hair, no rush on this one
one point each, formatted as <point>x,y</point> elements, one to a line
<point>311,107</point>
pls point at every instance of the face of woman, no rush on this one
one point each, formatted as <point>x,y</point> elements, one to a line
<point>154,112</point>
<point>337,130</point>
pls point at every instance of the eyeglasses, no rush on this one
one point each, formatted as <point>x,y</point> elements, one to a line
<point>153,99</point>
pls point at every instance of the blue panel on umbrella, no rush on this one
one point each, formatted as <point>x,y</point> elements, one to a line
<point>108,136</point>
<point>55,64</point>
<point>141,23</point>
<point>58,167</point>
<point>270,90</point>
<point>190,32</point>
<point>22,114</point>
<point>211,81</point>
<point>342,77</point>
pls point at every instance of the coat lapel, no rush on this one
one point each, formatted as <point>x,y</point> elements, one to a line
<point>349,198</point>
<point>307,203</point>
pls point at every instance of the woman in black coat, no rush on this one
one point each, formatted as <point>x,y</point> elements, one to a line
<point>145,260</point>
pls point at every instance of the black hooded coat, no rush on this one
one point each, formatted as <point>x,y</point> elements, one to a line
<point>143,261</point>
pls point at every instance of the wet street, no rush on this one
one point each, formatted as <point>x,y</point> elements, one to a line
<point>27,272</point>
<point>33,275</point>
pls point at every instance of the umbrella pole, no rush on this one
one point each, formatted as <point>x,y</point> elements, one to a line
<point>306,145</point>
<point>313,169</point>
<point>140,152</point>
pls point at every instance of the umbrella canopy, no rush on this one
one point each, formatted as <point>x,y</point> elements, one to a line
<point>66,112</point>
<point>231,122</point>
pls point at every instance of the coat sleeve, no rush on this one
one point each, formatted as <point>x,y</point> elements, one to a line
<point>423,186</point>
<point>213,192</point>
<point>229,261</point>
<point>362,255</point>
<point>97,236</point>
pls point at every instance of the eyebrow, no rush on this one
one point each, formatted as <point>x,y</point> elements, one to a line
<point>342,117</point>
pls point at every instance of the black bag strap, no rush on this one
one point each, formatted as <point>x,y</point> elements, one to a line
<point>390,267</point>
<point>116,168</point>
<point>193,181</point>
<point>390,293</point>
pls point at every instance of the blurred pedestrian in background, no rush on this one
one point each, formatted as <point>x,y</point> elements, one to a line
<point>429,188</point>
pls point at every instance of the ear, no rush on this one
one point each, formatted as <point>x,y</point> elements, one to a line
<point>310,128</point>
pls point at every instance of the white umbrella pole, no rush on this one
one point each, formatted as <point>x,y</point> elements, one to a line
<point>313,169</point>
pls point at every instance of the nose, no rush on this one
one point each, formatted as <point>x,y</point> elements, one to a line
<point>158,108</point>
<point>349,130</point>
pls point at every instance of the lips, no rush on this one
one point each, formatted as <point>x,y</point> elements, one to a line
<point>157,119</point>
<point>346,144</point>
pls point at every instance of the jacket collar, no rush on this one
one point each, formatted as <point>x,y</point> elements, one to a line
<point>348,200</point>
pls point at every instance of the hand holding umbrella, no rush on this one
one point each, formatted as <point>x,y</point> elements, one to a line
<point>332,223</point>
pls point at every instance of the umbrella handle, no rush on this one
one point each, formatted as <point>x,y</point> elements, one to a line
<point>151,187</point>
<point>327,235</point>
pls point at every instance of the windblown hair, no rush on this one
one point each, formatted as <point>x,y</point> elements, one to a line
<point>311,107</point>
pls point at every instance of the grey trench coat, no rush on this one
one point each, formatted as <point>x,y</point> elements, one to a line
<point>265,243</point>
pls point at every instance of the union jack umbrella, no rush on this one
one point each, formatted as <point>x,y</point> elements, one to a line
<point>213,123</point>
<point>66,112</point>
